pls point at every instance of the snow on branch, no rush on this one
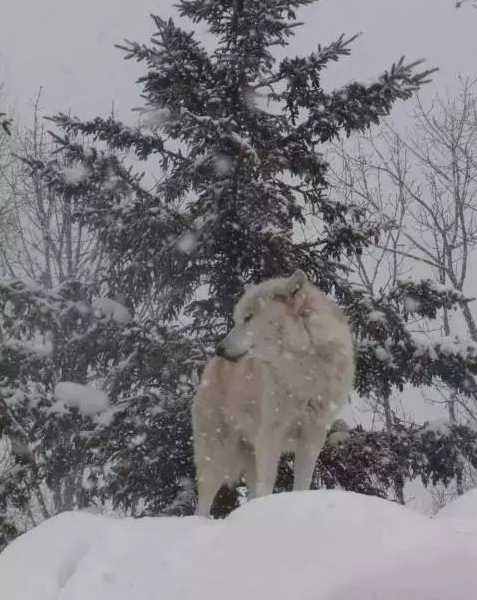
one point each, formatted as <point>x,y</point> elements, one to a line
<point>109,309</point>
<point>115,133</point>
<point>426,296</point>
<point>357,106</point>
<point>87,400</point>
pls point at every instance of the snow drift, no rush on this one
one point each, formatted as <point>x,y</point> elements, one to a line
<point>461,513</point>
<point>324,545</point>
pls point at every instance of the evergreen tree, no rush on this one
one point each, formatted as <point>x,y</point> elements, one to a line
<point>65,454</point>
<point>66,327</point>
<point>238,136</point>
<point>246,174</point>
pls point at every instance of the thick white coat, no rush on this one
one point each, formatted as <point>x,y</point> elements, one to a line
<point>284,371</point>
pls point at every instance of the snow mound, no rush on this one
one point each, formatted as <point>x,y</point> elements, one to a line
<point>461,513</point>
<point>110,309</point>
<point>325,545</point>
<point>87,400</point>
<point>57,547</point>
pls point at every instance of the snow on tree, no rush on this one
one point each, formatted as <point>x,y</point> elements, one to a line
<point>86,399</point>
<point>111,309</point>
<point>238,137</point>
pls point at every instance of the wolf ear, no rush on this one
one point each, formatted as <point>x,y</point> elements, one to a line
<point>294,291</point>
<point>296,282</point>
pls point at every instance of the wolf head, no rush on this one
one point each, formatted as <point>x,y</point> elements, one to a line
<point>268,319</point>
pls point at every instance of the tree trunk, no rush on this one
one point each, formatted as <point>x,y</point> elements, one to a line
<point>398,483</point>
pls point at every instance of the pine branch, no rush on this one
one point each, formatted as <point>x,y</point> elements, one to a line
<point>117,135</point>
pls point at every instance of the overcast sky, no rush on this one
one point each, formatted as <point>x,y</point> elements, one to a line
<point>67,46</point>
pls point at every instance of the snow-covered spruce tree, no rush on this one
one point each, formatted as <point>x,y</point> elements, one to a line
<point>237,136</point>
<point>245,173</point>
<point>57,347</point>
<point>60,325</point>
<point>47,337</point>
<point>44,328</point>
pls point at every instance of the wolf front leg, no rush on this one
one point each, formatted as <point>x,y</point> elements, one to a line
<point>209,476</point>
<point>249,469</point>
<point>307,451</point>
<point>267,456</point>
<point>217,462</point>
<point>206,498</point>
<point>209,481</point>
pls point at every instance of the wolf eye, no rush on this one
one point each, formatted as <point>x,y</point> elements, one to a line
<point>247,318</point>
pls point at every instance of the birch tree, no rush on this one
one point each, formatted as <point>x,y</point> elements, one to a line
<point>40,240</point>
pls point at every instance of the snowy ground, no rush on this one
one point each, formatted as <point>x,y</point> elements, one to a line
<point>461,514</point>
<point>324,545</point>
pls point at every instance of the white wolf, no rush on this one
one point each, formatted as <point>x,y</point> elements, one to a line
<point>278,379</point>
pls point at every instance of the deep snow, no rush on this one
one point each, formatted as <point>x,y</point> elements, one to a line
<point>324,545</point>
<point>461,513</point>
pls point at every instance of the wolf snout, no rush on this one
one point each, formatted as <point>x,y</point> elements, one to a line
<point>222,352</point>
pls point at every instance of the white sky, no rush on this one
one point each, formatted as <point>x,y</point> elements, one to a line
<point>67,46</point>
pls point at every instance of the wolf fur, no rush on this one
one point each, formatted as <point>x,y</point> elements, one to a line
<point>278,379</point>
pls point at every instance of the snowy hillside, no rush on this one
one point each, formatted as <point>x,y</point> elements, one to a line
<point>323,545</point>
